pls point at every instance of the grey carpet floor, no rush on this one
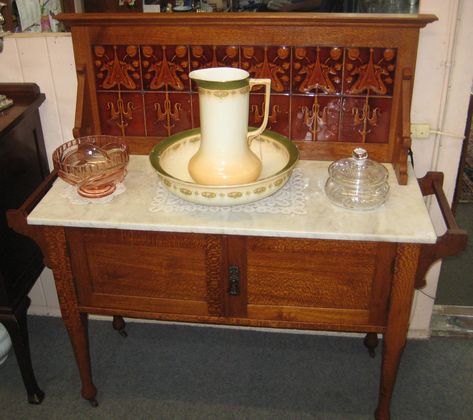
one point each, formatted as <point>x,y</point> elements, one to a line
<point>185,372</point>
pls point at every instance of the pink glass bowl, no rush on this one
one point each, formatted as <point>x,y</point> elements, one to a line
<point>94,164</point>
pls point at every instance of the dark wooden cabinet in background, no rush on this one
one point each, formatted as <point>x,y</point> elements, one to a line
<point>23,165</point>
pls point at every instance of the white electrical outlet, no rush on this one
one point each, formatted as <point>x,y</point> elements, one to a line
<point>420,131</point>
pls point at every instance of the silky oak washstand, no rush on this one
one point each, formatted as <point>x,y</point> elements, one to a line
<point>338,82</point>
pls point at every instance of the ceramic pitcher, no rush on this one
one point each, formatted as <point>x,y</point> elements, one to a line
<point>224,156</point>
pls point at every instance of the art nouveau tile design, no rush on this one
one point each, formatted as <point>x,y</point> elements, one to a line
<point>318,93</point>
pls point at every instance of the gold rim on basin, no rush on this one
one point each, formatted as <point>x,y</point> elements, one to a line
<point>225,195</point>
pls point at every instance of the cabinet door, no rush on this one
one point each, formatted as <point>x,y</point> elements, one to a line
<point>341,284</point>
<point>147,273</point>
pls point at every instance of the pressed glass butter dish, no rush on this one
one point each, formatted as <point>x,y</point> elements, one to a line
<point>357,182</point>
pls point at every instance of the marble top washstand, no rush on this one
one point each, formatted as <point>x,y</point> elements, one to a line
<point>403,218</point>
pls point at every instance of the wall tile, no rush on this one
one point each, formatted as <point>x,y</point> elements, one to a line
<point>278,112</point>
<point>268,63</point>
<point>117,67</point>
<point>317,70</point>
<point>315,118</point>
<point>165,67</point>
<point>365,120</point>
<point>167,113</point>
<point>121,113</point>
<point>369,71</point>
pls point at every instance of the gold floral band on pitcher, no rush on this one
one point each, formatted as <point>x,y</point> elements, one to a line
<point>222,93</point>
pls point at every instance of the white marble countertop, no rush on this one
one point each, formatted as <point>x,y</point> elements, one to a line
<point>403,218</point>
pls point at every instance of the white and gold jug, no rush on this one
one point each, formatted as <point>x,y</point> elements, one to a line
<point>224,156</point>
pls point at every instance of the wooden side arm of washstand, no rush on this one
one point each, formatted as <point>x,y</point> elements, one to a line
<point>17,218</point>
<point>451,242</point>
<point>83,124</point>
<point>403,130</point>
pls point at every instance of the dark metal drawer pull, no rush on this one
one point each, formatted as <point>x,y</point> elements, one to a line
<point>234,280</point>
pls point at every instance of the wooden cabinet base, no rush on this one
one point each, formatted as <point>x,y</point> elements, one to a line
<point>283,283</point>
<point>293,283</point>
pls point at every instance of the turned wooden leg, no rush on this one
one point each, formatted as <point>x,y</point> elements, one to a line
<point>371,342</point>
<point>119,325</point>
<point>78,333</point>
<point>16,325</point>
<point>392,352</point>
<point>394,338</point>
<point>76,323</point>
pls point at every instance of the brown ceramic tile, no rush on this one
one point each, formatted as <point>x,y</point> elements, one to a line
<point>121,113</point>
<point>369,71</point>
<point>317,70</point>
<point>315,118</point>
<point>117,67</point>
<point>165,67</point>
<point>365,122</point>
<point>205,56</point>
<point>195,110</point>
<point>278,113</point>
<point>167,113</point>
<point>268,63</point>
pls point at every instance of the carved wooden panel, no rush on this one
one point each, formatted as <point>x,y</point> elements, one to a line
<point>318,93</point>
<point>287,279</point>
<point>170,273</point>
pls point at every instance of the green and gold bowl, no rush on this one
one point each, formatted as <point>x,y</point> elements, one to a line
<point>171,157</point>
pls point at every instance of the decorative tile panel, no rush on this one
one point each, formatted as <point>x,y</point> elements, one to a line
<point>365,119</point>
<point>369,71</point>
<point>318,93</point>
<point>121,113</point>
<point>195,110</point>
<point>316,118</point>
<point>117,67</point>
<point>279,107</point>
<point>268,63</point>
<point>167,113</point>
<point>317,70</point>
<point>165,67</point>
<point>205,56</point>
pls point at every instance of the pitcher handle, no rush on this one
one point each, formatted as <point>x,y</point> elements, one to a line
<point>267,92</point>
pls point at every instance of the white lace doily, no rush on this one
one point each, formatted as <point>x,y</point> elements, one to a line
<point>290,199</point>
<point>70,192</point>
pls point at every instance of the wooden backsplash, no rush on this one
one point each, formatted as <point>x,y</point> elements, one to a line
<point>338,81</point>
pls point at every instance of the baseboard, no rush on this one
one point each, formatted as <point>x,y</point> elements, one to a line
<point>452,321</point>
<point>453,310</point>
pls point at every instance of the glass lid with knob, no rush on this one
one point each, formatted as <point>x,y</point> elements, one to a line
<point>357,182</point>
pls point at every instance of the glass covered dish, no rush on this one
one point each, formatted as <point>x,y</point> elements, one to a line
<point>357,182</point>
<point>94,164</point>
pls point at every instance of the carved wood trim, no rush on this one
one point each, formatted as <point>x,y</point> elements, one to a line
<point>236,19</point>
<point>74,320</point>
<point>403,134</point>
<point>214,276</point>
<point>80,102</point>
